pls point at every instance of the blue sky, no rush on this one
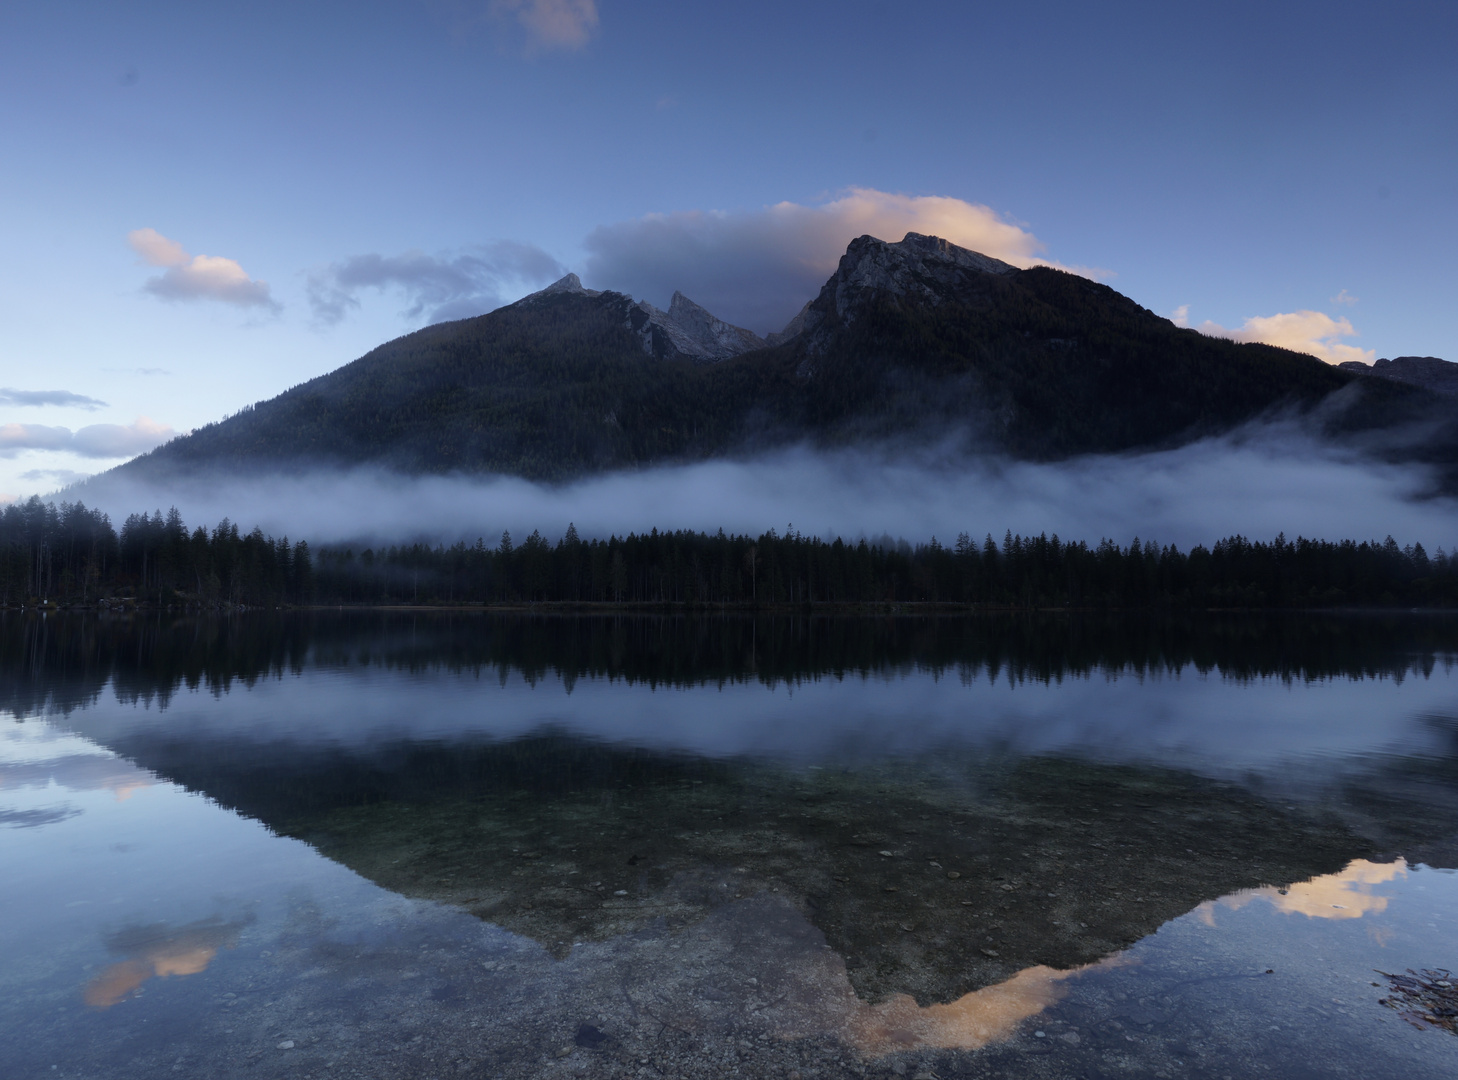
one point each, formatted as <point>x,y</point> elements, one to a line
<point>348,172</point>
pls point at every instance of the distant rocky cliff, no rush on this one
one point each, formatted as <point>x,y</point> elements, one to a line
<point>921,270</point>
<point>1439,376</point>
<point>685,331</point>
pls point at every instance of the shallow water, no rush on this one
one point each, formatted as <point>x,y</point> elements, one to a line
<point>427,845</point>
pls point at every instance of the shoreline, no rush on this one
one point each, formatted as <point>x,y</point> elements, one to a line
<point>585,607</point>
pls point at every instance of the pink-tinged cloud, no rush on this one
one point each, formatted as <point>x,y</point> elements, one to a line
<point>196,277</point>
<point>1312,332</point>
<point>757,268</point>
<point>92,441</point>
<point>552,24</point>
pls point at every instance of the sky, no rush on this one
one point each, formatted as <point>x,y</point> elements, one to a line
<point>205,204</point>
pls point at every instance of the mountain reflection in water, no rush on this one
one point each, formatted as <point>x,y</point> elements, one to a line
<point>995,1012</point>
<point>62,661</point>
<point>557,846</point>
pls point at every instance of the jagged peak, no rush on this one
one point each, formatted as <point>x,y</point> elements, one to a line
<point>920,268</point>
<point>680,302</point>
<point>569,283</point>
<point>709,337</point>
<point>920,247</point>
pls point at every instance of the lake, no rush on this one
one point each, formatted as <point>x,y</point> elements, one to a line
<point>454,844</point>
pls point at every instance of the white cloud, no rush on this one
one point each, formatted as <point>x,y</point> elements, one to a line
<point>1311,332</point>
<point>17,437</point>
<point>552,24</point>
<point>1180,316</point>
<point>446,286</point>
<point>92,441</point>
<point>196,277</point>
<point>757,268</point>
<point>155,249</point>
<point>1344,297</point>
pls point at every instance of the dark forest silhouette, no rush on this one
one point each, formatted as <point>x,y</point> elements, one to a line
<point>67,554</point>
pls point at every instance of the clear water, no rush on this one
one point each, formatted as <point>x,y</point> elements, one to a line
<point>427,845</point>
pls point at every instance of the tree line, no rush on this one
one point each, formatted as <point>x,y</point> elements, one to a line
<point>64,660</point>
<point>68,554</point>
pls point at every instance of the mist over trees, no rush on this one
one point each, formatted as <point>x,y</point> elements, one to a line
<point>68,554</point>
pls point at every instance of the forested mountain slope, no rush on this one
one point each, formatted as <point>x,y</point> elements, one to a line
<point>906,340</point>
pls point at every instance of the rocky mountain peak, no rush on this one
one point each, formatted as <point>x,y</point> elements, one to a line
<point>923,269</point>
<point>1429,372</point>
<point>689,332</point>
<point>685,331</point>
<point>571,283</point>
<point>716,339</point>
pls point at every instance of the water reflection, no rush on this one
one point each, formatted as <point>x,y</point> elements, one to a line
<point>34,819</point>
<point>930,877</point>
<point>997,1012</point>
<point>77,772</point>
<point>1348,895</point>
<point>63,661</point>
<point>552,847</point>
<point>159,950</point>
<point>992,1014</point>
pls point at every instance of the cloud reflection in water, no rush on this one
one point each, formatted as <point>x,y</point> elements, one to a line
<point>160,950</point>
<point>994,1013</point>
<point>1345,895</point>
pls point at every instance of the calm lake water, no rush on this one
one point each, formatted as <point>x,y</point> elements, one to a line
<point>466,845</point>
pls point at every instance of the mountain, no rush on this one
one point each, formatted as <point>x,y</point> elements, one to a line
<point>1439,376</point>
<point>907,340</point>
<point>685,331</point>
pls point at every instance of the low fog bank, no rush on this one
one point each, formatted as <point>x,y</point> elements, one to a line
<point>1254,483</point>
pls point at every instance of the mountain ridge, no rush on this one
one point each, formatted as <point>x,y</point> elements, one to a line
<point>685,331</point>
<point>906,340</point>
<point>1428,372</point>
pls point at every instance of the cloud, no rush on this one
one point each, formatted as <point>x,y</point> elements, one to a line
<point>197,277</point>
<point>445,287</point>
<point>62,477</point>
<point>93,441</point>
<point>17,437</point>
<point>137,371</point>
<point>9,396</point>
<point>552,24</point>
<point>1344,297</point>
<point>1311,332</point>
<point>1257,482</point>
<point>757,268</point>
